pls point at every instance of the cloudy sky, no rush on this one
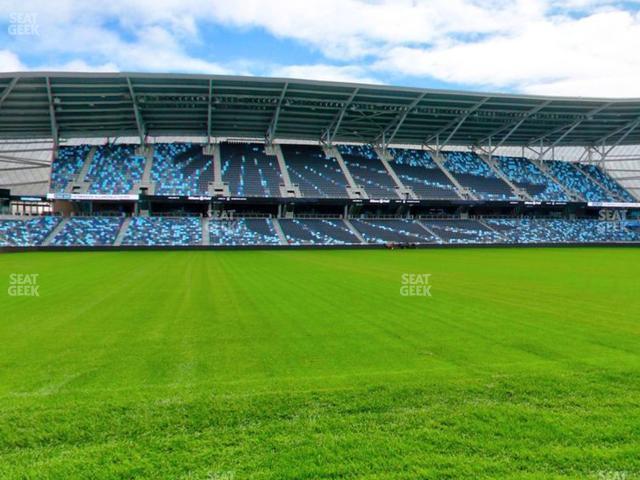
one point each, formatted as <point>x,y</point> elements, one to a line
<point>563,47</point>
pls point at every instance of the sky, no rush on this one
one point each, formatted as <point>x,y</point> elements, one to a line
<point>548,47</point>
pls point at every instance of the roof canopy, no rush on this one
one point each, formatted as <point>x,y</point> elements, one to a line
<point>74,105</point>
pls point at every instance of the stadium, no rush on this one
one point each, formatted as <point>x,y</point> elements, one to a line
<point>228,277</point>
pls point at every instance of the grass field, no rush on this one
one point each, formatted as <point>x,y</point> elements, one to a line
<point>523,363</point>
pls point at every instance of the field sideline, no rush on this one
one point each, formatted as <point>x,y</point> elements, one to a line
<point>523,363</point>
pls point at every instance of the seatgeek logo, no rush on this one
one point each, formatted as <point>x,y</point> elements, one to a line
<point>23,285</point>
<point>415,285</point>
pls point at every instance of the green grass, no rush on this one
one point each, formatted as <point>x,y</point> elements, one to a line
<point>524,363</point>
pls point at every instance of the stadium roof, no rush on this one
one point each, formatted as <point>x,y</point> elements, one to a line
<point>75,105</point>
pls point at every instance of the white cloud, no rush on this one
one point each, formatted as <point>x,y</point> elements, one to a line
<point>323,72</point>
<point>9,62</point>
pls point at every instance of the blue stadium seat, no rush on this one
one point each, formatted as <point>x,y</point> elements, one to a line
<point>241,231</point>
<point>181,169</point>
<point>574,179</point>
<point>523,173</point>
<point>88,231</point>
<point>316,175</point>
<point>609,183</point>
<point>473,173</point>
<point>318,232</point>
<point>164,231</point>
<point>368,171</point>
<point>463,231</point>
<point>27,231</point>
<point>392,231</point>
<point>417,170</point>
<point>115,169</point>
<point>67,165</point>
<point>249,171</point>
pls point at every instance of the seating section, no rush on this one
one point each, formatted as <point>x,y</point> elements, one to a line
<point>181,169</point>
<point>368,171</point>
<point>392,231</point>
<point>67,165</point>
<point>318,232</point>
<point>115,169</point>
<point>163,231</point>
<point>574,179</point>
<point>249,171</point>
<point>26,232</point>
<point>88,231</point>
<point>562,231</point>
<point>523,173</point>
<point>473,173</point>
<point>242,231</point>
<point>417,170</point>
<point>609,183</point>
<point>463,231</point>
<point>316,175</point>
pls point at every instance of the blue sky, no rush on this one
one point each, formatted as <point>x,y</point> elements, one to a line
<point>558,47</point>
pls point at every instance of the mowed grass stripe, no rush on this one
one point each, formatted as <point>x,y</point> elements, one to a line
<point>310,364</point>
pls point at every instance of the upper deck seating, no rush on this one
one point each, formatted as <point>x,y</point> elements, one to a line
<point>181,169</point>
<point>249,171</point>
<point>609,183</point>
<point>574,179</point>
<point>115,169</point>
<point>473,173</point>
<point>417,170</point>
<point>67,165</point>
<point>368,171</point>
<point>316,175</point>
<point>527,176</point>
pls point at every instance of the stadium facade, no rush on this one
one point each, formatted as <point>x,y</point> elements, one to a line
<point>148,160</point>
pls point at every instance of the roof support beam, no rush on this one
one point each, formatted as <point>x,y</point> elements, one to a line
<point>458,121</point>
<point>571,126</point>
<point>630,126</point>
<point>514,125</point>
<point>273,125</point>
<point>209,111</point>
<point>329,135</point>
<point>398,121</point>
<point>136,112</point>
<point>52,115</point>
<point>7,90</point>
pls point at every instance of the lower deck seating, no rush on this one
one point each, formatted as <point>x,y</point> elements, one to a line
<point>88,231</point>
<point>317,232</point>
<point>562,231</point>
<point>164,231</point>
<point>463,231</point>
<point>250,231</point>
<point>392,231</point>
<point>26,231</point>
